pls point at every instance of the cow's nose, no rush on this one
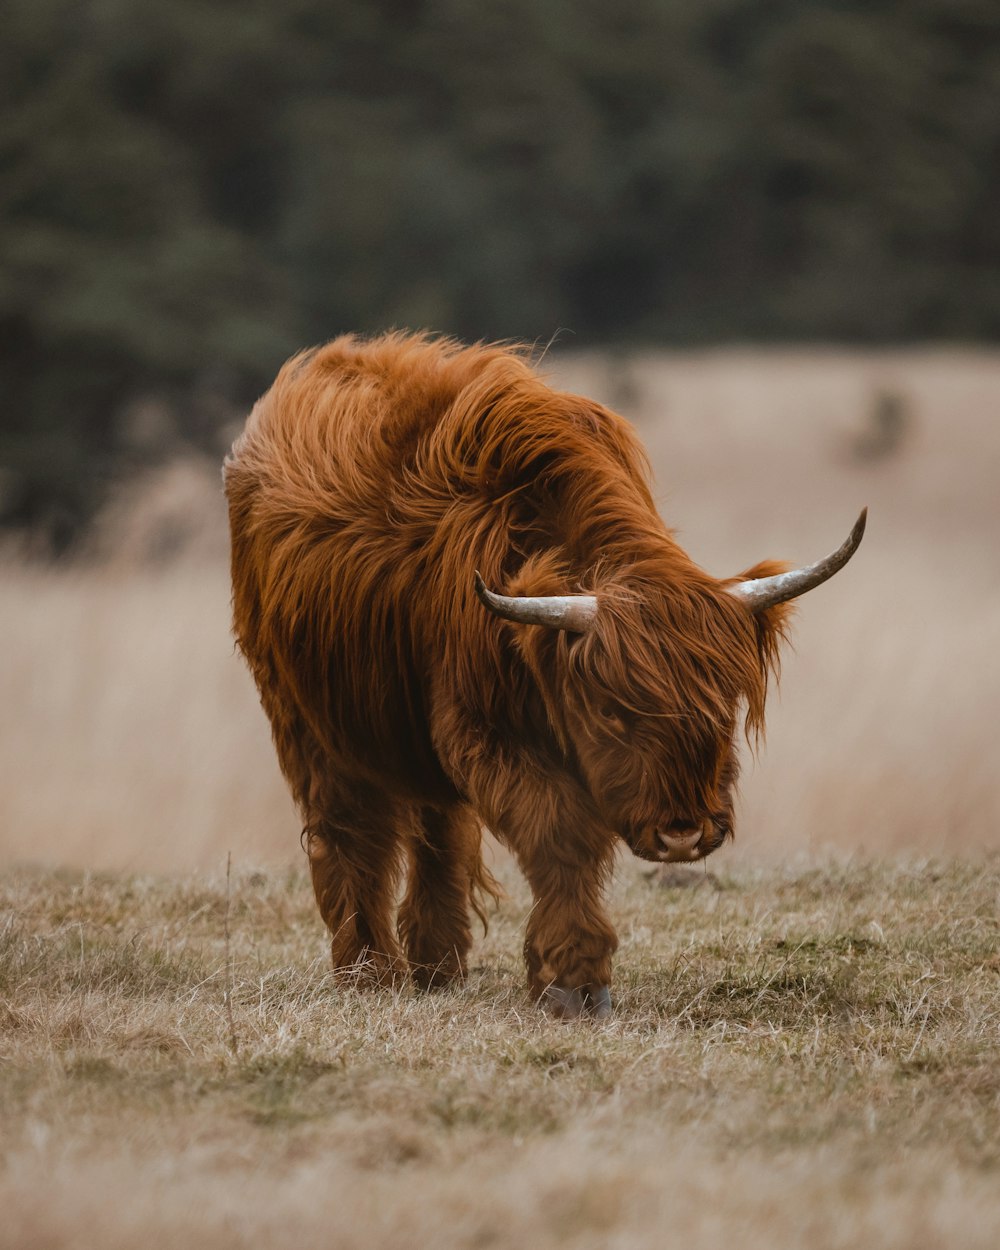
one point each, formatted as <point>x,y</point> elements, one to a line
<point>680,843</point>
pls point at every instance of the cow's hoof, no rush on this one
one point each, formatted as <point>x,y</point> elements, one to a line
<point>564,1004</point>
<point>597,1002</point>
<point>594,1001</point>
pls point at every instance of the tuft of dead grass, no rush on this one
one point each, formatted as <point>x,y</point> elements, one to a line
<point>806,1056</point>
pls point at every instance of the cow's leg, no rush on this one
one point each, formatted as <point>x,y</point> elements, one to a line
<point>566,854</point>
<point>354,850</point>
<point>569,940</point>
<point>434,917</point>
<point>353,837</point>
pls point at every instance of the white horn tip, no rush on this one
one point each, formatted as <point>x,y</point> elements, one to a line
<point>765,592</point>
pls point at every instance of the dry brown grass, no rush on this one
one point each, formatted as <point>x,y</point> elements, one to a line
<point>130,734</point>
<point>805,1049</point>
<point>800,1057</point>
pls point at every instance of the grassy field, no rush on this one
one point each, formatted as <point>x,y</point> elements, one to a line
<point>800,1057</point>
<point>806,1044</point>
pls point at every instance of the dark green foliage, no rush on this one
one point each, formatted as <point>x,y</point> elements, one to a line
<point>188,191</point>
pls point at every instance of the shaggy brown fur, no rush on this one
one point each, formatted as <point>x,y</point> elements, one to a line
<point>371,481</point>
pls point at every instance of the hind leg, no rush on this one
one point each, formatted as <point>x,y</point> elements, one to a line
<point>353,836</point>
<point>354,847</point>
<point>434,916</point>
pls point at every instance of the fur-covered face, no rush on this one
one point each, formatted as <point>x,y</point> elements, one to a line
<point>650,702</point>
<point>630,764</point>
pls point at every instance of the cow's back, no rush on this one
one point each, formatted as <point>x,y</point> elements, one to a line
<point>337,511</point>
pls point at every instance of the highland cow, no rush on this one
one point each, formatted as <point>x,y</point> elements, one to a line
<point>382,494</point>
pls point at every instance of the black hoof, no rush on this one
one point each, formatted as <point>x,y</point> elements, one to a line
<point>566,1004</point>
<point>594,1001</point>
<point>597,1002</point>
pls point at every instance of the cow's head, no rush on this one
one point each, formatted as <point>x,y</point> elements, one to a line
<point>646,680</point>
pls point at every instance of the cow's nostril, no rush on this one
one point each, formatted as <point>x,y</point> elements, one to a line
<point>679,845</point>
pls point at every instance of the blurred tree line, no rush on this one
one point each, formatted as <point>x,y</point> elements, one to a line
<point>191,190</point>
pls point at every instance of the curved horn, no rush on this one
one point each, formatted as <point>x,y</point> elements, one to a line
<point>764,592</point>
<point>575,613</point>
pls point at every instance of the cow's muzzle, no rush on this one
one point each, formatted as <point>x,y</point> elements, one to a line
<point>680,843</point>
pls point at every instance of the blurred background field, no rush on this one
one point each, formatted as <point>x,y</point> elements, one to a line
<point>130,734</point>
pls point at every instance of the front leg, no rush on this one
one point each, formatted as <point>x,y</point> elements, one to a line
<point>569,941</point>
<point>532,802</point>
<point>566,854</point>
